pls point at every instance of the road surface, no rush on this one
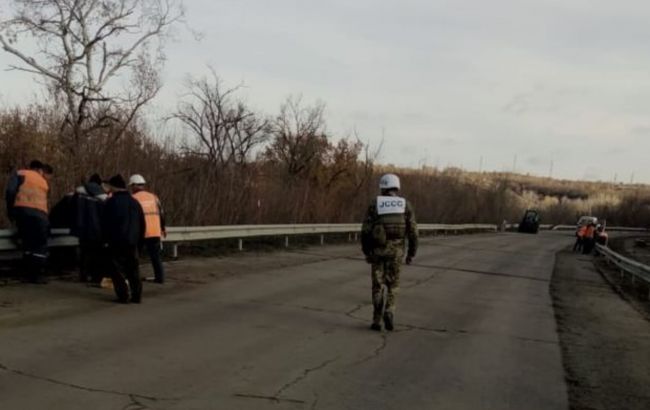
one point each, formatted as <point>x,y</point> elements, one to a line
<point>475,329</point>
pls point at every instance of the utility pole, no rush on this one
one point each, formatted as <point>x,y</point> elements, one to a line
<point>550,170</point>
<point>632,178</point>
<point>480,165</point>
<point>514,164</point>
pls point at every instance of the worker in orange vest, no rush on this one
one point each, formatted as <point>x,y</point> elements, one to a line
<point>155,224</point>
<point>580,238</point>
<point>589,239</point>
<point>26,196</point>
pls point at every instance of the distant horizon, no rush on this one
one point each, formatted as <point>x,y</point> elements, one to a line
<point>517,173</point>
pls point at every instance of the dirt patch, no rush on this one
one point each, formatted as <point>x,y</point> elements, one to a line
<point>605,341</point>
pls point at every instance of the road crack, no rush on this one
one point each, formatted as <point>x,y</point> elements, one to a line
<point>314,404</point>
<point>274,399</point>
<point>134,397</point>
<point>304,375</point>
<point>354,310</point>
<point>135,404</point>
<point>314,309</point>
<point>448,269</point>
<point>375,353</point>
<point>408,328</point>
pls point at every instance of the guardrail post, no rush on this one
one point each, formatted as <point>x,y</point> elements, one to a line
<point>355,236</point>
<point>240,244</point>
<point>286,241</point>
<point>175,251</point>
<point>322,239</point>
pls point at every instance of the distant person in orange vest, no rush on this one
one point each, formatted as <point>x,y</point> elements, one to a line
<point>580,238</point>
<point>589,239</point>
<point>155,224</point>
<point>27,206</point>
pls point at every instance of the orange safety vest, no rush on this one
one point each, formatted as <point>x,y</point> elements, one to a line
<point>32,193</point>
<point>582,231</point>
<point>589,232</point>
<point>149,203</point>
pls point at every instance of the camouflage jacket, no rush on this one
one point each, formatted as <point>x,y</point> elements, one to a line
<point>386,235</point>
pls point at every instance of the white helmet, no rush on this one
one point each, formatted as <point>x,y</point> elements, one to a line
<point>389,181</point>
<point>137,179</point>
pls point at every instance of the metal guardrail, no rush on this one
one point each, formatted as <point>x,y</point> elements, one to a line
<point>626,265</point>
<point>175,235</point>
<point>608,228</point>
<point>573,228</point>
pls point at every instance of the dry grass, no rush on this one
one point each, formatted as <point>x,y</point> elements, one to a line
<point>336,186</point>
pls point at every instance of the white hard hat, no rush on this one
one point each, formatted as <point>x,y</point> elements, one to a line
<point>137,179</point>
<point>389,181</point>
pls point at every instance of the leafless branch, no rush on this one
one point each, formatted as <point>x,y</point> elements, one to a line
<point>87,48</point>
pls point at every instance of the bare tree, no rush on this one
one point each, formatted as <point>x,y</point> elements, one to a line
<point>299,139</point>
<point>228,131</point>
<point>100,59</point>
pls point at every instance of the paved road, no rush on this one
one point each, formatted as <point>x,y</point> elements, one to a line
<point>475,330</point>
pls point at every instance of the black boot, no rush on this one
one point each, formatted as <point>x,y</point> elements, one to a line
<point>388,321</point>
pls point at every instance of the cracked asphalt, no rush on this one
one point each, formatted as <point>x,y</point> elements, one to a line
<point>475,329</point>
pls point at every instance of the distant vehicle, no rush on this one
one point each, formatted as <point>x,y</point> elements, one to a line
<point>584,221</point>
<point>530,222</point>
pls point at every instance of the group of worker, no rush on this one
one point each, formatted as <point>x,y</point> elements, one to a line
<point>112,221</point>
<point>588,235</point>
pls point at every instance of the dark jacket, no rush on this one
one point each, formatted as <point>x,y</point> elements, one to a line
<point>62,213</point>
<point>123,221</point>
<point>13,185</point>
<point>88,206</point>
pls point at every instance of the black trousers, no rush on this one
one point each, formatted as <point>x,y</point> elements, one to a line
<point>153,249</point>
<point>124,266</point>
<point>93,262</point>
<point>33,230</point>
<point>577,247</point>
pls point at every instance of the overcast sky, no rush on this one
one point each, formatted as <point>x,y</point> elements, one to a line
<point>445,82</point>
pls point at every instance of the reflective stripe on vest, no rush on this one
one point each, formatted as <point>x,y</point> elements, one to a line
<point>32,193</point>
<point>149,203</point>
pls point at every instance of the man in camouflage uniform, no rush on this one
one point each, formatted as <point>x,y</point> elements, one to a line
<point>389,222</point>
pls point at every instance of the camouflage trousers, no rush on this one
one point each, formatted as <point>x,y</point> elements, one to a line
<point>385,273</point>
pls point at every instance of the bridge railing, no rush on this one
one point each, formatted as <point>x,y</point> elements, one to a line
<point>176,235</point>
<point>637,270</point>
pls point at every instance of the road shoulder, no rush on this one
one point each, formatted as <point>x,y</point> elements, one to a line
<point>605,341</point>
